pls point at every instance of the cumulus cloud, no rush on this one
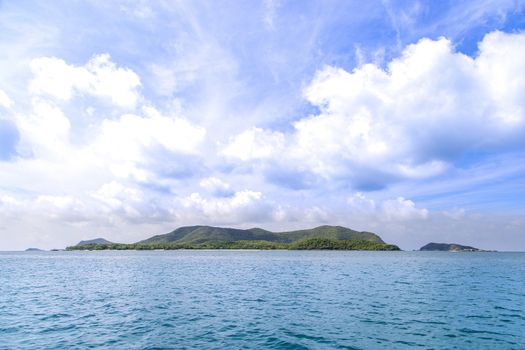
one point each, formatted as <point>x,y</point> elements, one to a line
<point>5,101</point>
<point>114,194</point>
<point>111,204</point>
<point>144,147</point>
<point>315,214</point>
<point>174,133</point>
<point>99,77</point>
<point>398,209</point>
<point>8,205</point>
<point>44,132</point>
<point>255,143</point>
<point>402,209</point>
<point>115,171</point>
<point>413,119</point>
<point>360,204</point>
<point>216,186</point>
<point>125,203</point>
<point>244,206</point>
<point>61,208</point>
<point>126,141</point>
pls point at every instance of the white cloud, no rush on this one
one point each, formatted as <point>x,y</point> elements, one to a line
<point>100,77</point>
<point>126,141</point>
<point>5,101</point>
<point>253,144</point>
<point>430,106</point>
<point>402,209</point>
<point>412,120</point>
<point>115,194</point>
<point>216,187</point>
<point>243,207</point>
<point>315,215</point>
<point>44,131</point>
<point>360,204</point>
<point>113,203</point>
<point>500,66</point>
<point>149,148</point>
<point>8,205</point>
<point>399,209</point>
<point>62,208</point>
<point>120,200</point>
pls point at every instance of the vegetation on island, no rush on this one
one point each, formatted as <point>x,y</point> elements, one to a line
<point>449,247</point>
<point>94,241</point>
<point>202,234</point>
<point>308,244</point>
<point>332,244</point>
<point>208,237</point>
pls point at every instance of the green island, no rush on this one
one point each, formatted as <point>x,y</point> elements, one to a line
<point>451,247</point>
<point>208,237</point>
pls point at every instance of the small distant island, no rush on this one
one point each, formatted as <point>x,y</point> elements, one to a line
<point>209,237</point>
<point>450,247</point>
<point>34,250</point>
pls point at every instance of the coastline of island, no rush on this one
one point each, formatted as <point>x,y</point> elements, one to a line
<point>308,244</point>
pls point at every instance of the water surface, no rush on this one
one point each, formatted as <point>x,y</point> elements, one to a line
<point>262,300</point>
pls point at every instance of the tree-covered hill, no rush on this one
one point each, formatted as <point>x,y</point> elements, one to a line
<point>209,237</point>
<point>202,234</point>
<point>449,247</point>
<point>307,244</point>
<point>94,241</point>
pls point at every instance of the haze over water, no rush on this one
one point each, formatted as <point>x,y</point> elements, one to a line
<point>262,299</point>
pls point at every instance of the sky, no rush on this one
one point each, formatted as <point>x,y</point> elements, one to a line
<point>126,119</point>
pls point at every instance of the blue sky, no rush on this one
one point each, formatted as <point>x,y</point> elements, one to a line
<point>126,119</point>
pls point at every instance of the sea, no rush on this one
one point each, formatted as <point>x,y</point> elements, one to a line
<point>224,299</point>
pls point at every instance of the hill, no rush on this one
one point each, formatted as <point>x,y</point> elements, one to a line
<point>94,241</point>
<point>209,237</point>
<point>204,234</point>
<point>449,247</point>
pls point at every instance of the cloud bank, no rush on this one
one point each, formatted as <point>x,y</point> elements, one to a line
<point>413,119</point>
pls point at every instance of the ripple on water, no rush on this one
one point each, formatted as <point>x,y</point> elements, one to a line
<point>271,300</point>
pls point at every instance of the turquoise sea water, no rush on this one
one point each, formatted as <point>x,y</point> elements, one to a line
<point>262,300</point>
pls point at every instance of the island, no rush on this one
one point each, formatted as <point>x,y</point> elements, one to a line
<point>34,250</point>
<point>450,247</point>
<point>210,237</point>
